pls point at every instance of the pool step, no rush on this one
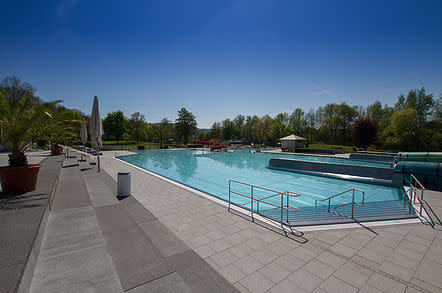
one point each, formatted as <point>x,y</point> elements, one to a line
<point>381,210</point>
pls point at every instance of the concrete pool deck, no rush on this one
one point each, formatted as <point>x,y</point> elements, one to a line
<point>253,258</point>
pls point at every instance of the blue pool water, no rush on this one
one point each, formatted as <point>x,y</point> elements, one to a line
<point>211,171</point>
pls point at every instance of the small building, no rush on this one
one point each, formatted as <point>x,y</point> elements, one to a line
<point>292,142</point>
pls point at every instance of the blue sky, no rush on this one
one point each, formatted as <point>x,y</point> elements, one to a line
<point>222,58</point>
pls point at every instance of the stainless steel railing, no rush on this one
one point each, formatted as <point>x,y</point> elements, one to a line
<point>415,188</point>
<point>352,203</point>
<point>283,203</point>
<point>416,193</point>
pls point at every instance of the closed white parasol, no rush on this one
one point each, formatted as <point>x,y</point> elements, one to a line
<point>96,128</point>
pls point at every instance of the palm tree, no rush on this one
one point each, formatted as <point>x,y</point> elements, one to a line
<point>20,124</point>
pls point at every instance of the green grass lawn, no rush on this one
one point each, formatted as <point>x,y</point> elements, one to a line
<point>345,148</point>
<point>128,143</point>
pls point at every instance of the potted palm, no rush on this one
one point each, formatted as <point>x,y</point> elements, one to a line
<point>19,124</point>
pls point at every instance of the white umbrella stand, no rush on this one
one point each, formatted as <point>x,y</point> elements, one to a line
<point>96,128</point>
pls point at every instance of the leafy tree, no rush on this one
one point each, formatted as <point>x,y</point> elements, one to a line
<point>403,133</point>
<point>422,103</point>
<point>297,122</point>
<point>239,124</point>
<point>375,112</point>
<point>16,90</point>
<point>65,125</point>
<point>215,130</point>
<point>185,124</point>
<point>166,129</point>
<point>364,132</point>
<point>310,118</point>
<point>246,130</point>
<point>228,129</point>
<point>114,125</point>
<point>279,130</point>
<point>437,113</point>
<point>400,104</point>
<point>336,123</point>
<point>263,128</point>
<point>283,118</point>
<point>381,115</point>
<point>137,125</point>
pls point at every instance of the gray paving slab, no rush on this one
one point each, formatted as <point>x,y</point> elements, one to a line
<point>71,190</point>
<point>257,282</point>
<point>113,218</point>
<point>86,270</point>
<point>71,230</point>
<point>73,255</point>
<point>137,211</point>
<point>99,192</point>
<point>168,284</point>
<point>20,218</point>
<point>10,277</point>
<point>430,272</point>
<point>163,238</point>
<point>305,280</point>
<point>198,274</point>
<point>137,260</point>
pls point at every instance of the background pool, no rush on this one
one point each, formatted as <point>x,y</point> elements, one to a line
<point>211,171</point>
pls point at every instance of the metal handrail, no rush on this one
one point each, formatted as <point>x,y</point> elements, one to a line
<point>353,203</point>
<point>421,205</point>
<point>264,200</point>
<point>417,181</point>
<point>342,193</point>
<point>413,196</point>
<point>419,187</point>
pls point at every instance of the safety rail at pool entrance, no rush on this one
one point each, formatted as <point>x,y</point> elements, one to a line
<point>352,203</point>
<point>283,203</point>
<point>416,193</point>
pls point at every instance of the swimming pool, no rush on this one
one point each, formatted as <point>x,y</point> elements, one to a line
<point>210,172</point>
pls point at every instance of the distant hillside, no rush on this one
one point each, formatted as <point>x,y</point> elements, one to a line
<point>202,130</point>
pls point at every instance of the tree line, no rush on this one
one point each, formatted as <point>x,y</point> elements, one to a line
<point>117,127</point>
<point>413,123</point>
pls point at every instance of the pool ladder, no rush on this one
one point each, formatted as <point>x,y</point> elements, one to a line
<point>253,199</point>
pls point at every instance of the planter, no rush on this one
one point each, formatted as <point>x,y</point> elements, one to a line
<point>56,150</point>
<point>19,179</point>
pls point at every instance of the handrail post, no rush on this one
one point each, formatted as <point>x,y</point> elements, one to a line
<point>229,195</point>
<point>329,205</point>
<point>421,202</point>
<point>253,220</point>
<point>282,205</point>
<point>287,212</point>
<point>353,205</point>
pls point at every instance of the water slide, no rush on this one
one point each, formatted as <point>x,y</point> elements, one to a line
<point>211,141</point>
